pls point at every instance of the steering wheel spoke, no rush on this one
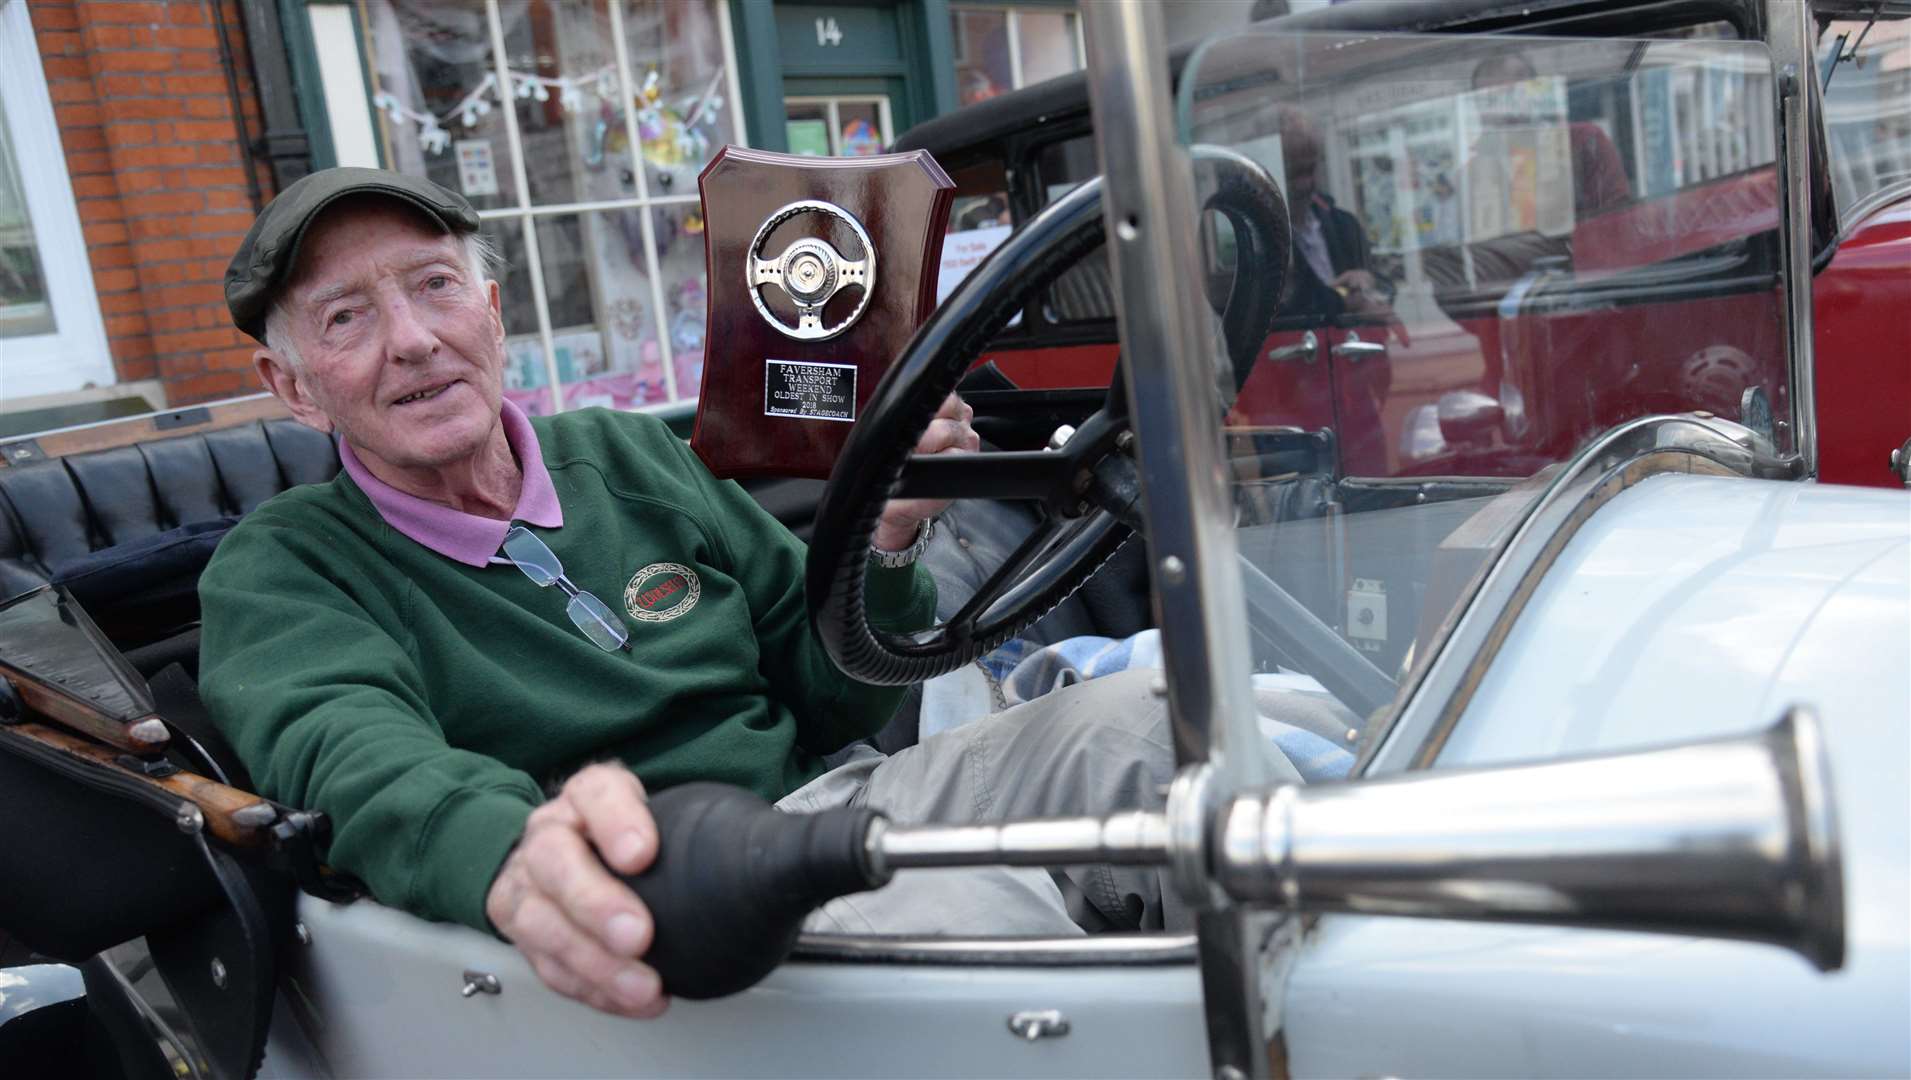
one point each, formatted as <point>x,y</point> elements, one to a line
<point>1038,543</point>
<point>1003,474</point>
<point>766,272</point>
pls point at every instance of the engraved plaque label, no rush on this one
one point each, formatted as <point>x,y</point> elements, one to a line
<point>809,390</point>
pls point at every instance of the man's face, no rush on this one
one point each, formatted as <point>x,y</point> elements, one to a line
<point>403,347</point>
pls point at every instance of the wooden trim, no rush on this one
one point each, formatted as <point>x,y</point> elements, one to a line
<point>221,805</point>
<point>141,734</point>
<point>137,429</point>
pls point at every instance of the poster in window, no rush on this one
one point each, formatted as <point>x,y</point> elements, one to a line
<point>477,168</point>
<point>808,137</point>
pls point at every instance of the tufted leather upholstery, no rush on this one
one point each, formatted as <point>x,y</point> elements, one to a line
<point>63,512</point>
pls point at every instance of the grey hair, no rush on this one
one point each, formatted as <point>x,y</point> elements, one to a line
<point>480,258</point>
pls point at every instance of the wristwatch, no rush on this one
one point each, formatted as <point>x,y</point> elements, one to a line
<point>892,560</point>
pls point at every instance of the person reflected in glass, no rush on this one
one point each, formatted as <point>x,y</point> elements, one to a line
<point>1334,287</point>
<point>1599,174</point>
<point>1519,226</point>
<point>1332,269</point>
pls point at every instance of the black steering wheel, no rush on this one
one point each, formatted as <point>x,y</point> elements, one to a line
<point>1089,485</point>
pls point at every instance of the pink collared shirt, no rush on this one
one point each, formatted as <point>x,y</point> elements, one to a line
<point>468,538</point>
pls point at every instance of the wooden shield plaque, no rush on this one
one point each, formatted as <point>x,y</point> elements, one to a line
<point>820,270</point>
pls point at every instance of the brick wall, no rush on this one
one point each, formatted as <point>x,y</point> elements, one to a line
<point>146,120</point>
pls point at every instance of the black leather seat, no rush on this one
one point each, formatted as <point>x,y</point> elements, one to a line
<point>127,530</point>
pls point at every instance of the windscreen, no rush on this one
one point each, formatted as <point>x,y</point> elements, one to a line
<point>1497,249</point>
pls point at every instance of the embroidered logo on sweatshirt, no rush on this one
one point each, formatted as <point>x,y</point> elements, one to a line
<point>661,592</point>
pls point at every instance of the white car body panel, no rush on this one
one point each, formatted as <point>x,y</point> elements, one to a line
<point>1689,607</point>
<point>381,997</point>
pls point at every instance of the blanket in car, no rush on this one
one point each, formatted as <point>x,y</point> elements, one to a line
<point>1297,714</point>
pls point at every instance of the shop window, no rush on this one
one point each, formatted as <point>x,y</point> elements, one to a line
<point>577,128</point>
<point>998,49</point>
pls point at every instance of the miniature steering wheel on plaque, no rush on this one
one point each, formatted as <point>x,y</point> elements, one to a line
<point>820,271</point>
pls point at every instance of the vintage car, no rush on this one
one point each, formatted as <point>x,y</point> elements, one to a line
<point>1607,770</point>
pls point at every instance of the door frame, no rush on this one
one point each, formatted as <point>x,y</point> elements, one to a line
<point>75,354</point>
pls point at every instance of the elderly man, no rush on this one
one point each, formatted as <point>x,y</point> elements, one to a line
<point>383,647</point>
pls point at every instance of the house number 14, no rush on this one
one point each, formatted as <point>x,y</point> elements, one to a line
<point>827,33</point>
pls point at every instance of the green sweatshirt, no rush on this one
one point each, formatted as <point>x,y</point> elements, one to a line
<point>426,705</point>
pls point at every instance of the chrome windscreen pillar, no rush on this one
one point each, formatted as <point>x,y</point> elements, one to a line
<point>1791,33</point>
<point>1173,367</point>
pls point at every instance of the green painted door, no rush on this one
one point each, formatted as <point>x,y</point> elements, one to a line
<point>846,78</point>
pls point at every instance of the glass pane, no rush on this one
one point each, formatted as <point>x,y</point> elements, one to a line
<point>1501,249</point>
<point>24,306</point>
<point>1085,292</point>
<point>440,96</point>
<point>513,275</point>
<point>684,115</point>
<point>1867,106</point>
<point>981,53</point>
<point>861,134</point>
<point>563,71</point>
<point>525,377</point>
<point>1048,44</point>
<point>680,266</point>
<point>436,92</point>
<point>603,327</point>
<point>807,129</point>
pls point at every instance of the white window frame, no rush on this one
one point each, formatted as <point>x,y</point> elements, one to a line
<point>830,102</point>
<point>75,355</point>
<point>342,79</point>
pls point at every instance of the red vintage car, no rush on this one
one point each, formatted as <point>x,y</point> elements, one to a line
<point>1460,236</point>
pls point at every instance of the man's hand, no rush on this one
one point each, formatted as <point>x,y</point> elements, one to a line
<point>584,931</point>
<point>1364,297</point>
<point>1362,291</point>
<point>948,433</point>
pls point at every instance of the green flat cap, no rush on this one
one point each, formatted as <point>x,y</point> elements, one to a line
<point>271,248</point>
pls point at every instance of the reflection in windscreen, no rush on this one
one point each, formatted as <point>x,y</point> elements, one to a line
<point>1501,249</point>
